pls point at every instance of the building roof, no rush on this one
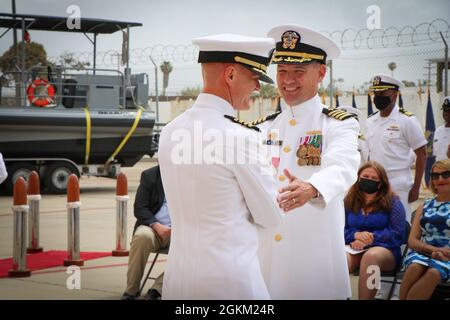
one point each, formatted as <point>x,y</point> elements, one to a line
<point>52,23</point>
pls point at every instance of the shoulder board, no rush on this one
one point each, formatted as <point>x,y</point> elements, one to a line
<point>373,114</point>
<point>242,123</point>
<point>337,114</point>
<point>264,119</point>
<point>361,137</point>
<point>406,112</point>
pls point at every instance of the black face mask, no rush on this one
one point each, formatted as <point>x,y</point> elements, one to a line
<point>381,102</point>
<point>368,186</point>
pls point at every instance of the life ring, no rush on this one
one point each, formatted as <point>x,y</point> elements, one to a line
<point>41,100</point>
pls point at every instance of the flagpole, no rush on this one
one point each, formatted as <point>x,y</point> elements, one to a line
<point>445,66</point>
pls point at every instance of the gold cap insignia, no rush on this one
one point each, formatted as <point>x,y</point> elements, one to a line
<point>290,39</point>
<point>376,80</point>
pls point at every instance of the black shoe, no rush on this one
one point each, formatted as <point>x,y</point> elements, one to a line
<point>152,294</point>
<point>127,296</point>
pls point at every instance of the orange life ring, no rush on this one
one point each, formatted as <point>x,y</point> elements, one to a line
<point>41,101</point>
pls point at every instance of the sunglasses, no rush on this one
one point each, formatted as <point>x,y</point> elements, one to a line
<point>444,175</point>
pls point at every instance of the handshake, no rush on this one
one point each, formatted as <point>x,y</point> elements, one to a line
<point>296,194</point>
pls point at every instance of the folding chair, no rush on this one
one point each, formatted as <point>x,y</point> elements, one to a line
<point>442,292</point>
<point>396,274</point>
<point>147,276</point>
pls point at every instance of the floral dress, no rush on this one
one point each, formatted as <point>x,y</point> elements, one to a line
<point>435,225</point>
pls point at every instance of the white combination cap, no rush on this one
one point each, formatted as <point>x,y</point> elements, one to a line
<point>382,82</point>
<point>252,52</point>
<point>297,44</point>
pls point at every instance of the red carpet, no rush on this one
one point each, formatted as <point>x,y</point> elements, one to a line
<point>48,259</point>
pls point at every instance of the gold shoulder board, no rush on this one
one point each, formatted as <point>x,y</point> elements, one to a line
<point>264,119</point>
<point>406,112</point>
<point>242,123</point>
<point>337,114</point>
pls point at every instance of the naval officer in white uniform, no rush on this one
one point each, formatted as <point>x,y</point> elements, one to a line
<point>304,257</point>
<point>393,137</point>
<point>219,191</point>
<point>441,140</point>
<point>362,149</point>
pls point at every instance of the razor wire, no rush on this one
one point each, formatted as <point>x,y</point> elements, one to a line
<point>391,37</point>
<point>423,34</point>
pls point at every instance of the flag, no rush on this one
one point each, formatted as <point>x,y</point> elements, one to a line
<point>278,104</point>
<point>27,38</point>
<point>400,100</point>
<point>369,105</point>
<point>353,100</point>
<point>419,92</point>
<point>337,101</point>
<point>429,135</point>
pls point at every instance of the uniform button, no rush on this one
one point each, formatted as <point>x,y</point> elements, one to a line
<point>287,149</point>
<point>282,178</point>
<point>278,237</point>
<point>292,122</point>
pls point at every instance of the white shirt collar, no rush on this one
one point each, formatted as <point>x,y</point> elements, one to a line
<point>210,101</point>
<point>393,115</point>
<point>308,105</point>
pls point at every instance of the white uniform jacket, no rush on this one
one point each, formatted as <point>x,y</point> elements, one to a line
<point>391,141</point>
<point>218,194</point>
<point>441,141</point>
<point>304,257</point>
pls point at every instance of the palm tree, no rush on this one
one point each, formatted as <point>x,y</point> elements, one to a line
<point>166,69</point>
<point>392,67</point>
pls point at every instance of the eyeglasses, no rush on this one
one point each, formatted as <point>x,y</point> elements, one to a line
<point>444,175</point>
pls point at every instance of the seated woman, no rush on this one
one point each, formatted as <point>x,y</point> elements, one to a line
<point>374,220</point>
<point>428,262</point>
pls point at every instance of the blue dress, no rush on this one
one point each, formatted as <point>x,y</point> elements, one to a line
<point>435,225</point>
<point>388,228</point>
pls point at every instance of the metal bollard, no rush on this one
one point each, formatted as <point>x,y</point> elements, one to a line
<point>121,216</point>
<point>34,198</point>
<point>73,222</point>
<point>20,210</point>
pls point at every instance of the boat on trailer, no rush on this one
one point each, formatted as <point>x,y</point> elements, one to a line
<point>63,121</point>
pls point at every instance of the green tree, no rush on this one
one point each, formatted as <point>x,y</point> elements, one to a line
<point>67,60</point>
<point>392,66</point>
<point>34,54</point>
<point>266,91</point>
<point>166,69</point>
<point>191,92</point>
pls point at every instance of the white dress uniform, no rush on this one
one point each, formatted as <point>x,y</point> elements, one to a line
<point>362,148</point>
<point>441,141</point>
<point>3,172</point>
<point>219,188</point>
<point>391,141</point>
<point>304,257</point>
<point>214,209</point>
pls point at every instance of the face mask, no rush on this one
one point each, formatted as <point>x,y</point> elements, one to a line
<point>381,102</point>
<point>368,186</point>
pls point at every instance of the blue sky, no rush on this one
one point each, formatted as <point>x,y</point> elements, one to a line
<point>172,22</point>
